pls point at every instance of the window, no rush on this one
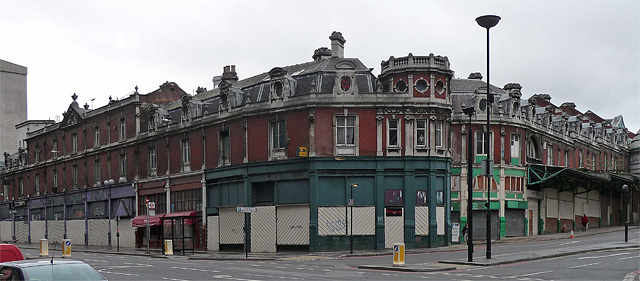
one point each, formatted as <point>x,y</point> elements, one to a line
<point>278,139</point>
<point>55,178</point>
<point>515,146</point>
<point>123,129</point>
<point>225,149</point>
<point>74,176</point>
<point>401,86</point>
<point>36,183</point>
<point>438,136</point>
<point>514,184</point>
<point>97,171</point>
<point>278,89</point>
<point>161,203</point>
<point>186,155</point>
<point>422,85</point>
<point>21,185</point>
<point>153,160</point>
<point>566,158</point>
<point>393,132</point>
<point>186,200</point>
<point>593,161</point>
<point>549,155</point>
<point>481,142</point>
<point>345,135</point>
<point>96,136</point>
<point>37,154</point>
<point>580,161</point>
<point>74,143</point>
<point>54,148</point>
<point>480,182</point>
<point>421,133</point>
<point>123,165</point>
<point>440,87</point>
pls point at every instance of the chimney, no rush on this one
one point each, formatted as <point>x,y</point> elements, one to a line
<point>337,44</point>
<point>475,75</point>
<point>321,53</point>
<point>569,104</point>
<point>546,97</point>
<point>229,74</point>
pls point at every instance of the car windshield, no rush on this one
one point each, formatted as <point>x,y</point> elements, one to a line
<point>62,272</point>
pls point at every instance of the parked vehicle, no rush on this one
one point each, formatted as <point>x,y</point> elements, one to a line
<point>49,270</point>
<point>10,252</point>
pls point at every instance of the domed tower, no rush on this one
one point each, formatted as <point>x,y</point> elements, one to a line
<point>425,81</point>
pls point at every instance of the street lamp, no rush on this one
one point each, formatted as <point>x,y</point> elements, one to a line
<point>351,220</point>
<point>488,21</point>
<point>469,111</point>
<point>625,191</point>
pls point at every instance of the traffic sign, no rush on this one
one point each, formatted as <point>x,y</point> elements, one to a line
<point>152,205</point>
<point>246,209</point>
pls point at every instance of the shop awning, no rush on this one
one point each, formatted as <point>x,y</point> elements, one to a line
<point>141,221</point>
<point>182,214</point>
<point>186,217</point>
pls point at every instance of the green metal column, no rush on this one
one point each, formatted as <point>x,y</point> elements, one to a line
<point>409,205</point>
<point>447,205</point>
<point>379,197</point>
<point>313,207</point>
<point>433,218</point>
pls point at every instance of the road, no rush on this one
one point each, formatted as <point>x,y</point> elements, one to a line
<point>602,265</point>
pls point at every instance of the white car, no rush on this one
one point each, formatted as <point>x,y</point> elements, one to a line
<point>50,270</point>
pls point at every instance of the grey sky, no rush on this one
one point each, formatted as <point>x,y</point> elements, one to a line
<point>587,52</point>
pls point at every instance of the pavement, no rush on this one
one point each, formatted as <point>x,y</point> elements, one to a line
<point>443,265</point>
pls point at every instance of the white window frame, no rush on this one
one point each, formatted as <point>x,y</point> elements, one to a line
<point>186,155</point>
<point>74,143</point>
<point>394,129</point>
<point>425,130</point>
<point>74,176</point>
<point>566,158</point>
<point>153,160</point>
<point>97,171</point>
<point>21,186</point>
<point>36,183</point>
<point>96,136</point>
<point>224,147</point>
<point>515,146</point>
<point>54,148</point>
<point>549,154</point>
<point>480,135</point>
<point>343,147</point>
<point>123,165</point>
<point>54,178</point>
<point>438,137</point>
<point>277,139</point>
<point>123,128</point>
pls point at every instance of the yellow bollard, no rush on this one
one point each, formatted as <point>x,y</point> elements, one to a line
<point>44,248</point>
<point>398,254</point>
<point>168,247</point>
<point>66,248</point>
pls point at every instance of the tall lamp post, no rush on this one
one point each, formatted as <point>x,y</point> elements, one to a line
<point>488,21</point>
<point>469,111</point>
<point>625,191</point>
<point>351,220</point>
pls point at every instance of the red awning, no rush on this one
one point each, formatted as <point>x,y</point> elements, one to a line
<point>181,214</point>
<point>141,221</point>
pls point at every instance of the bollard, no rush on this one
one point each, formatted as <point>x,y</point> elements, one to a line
<point>44,248</point>
<point>66,248</point>
<point>168,247</point>
<point>398,254</point>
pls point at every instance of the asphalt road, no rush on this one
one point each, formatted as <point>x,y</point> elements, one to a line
<point>603,265</point>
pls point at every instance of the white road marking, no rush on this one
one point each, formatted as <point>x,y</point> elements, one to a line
<point>589,264</point>
<point>536,273</point>
<point>629,258</point>
<point>195,269</point>
<point>597,257</point>
<point>570,243</point>
<point>118,273</point>
<point>173,279</point>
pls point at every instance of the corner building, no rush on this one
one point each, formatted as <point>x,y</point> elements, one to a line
<point>301,142</point>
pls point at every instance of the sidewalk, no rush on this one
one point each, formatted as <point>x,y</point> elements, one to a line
<point>498,259</point>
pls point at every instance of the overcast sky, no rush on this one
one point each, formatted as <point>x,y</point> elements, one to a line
<point>587,52</point>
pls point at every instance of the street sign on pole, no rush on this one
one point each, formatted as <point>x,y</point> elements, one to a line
<point>152,205</point>
<point>246,209</point>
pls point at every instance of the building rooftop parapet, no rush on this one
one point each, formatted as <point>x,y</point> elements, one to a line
<point>432,62</point>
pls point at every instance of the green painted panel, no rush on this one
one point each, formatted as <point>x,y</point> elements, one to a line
<point>478,194</point>
<point>514,172</point>
<point>493,194</point>
<point>515,161</point>
<point>364,194</point>
<point>510,195</point>
<point>520,195</point>
<point>456,171</point>
<point>393,182</point>
<point>517,204</point>
<point>503,227</point>
<point>455,195</point>
<point>332,191</point>
<point>480,158</point>
<point>292,192</point>
<point>455,206</point>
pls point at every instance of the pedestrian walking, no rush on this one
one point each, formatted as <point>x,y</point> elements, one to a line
<point>585,222</point>
<point>464,233</point>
